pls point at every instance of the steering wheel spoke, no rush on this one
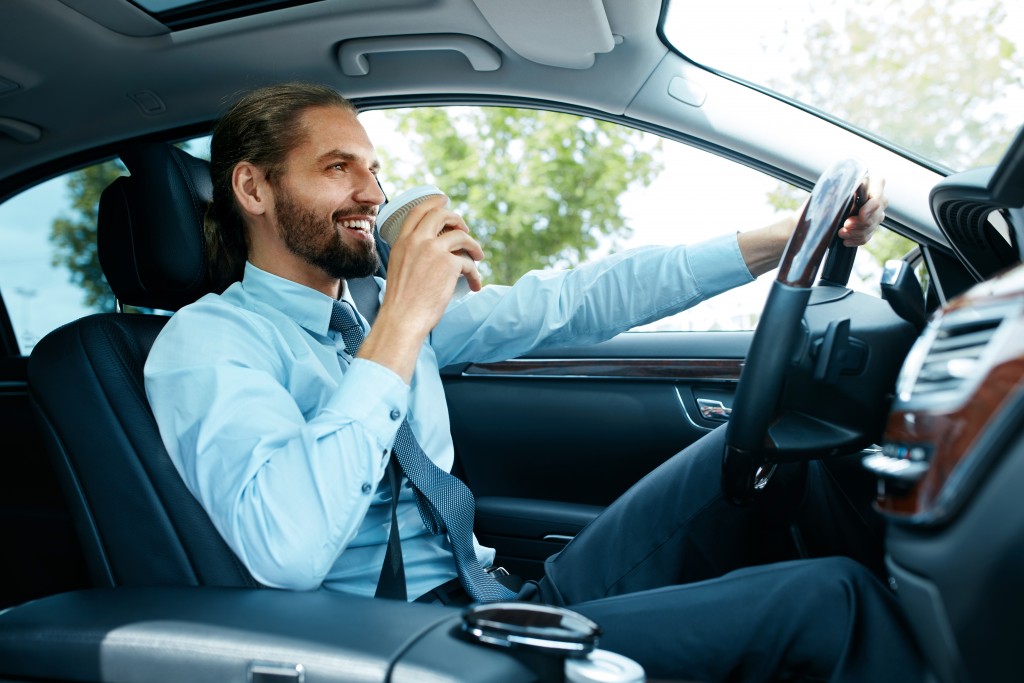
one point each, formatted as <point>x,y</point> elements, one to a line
<point>798,436</point>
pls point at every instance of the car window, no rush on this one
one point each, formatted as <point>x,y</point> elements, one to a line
<point>613,188</point>
<point>39,288</point>
<point>50,274</point>
<point>549,190</point>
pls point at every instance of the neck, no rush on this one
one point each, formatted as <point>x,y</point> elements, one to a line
<point>297,270</point>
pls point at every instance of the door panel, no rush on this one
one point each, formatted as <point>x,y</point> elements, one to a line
<point>40,553</point>
<point>547,440</point>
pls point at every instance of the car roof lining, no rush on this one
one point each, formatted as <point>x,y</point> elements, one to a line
<point>76,108</point>
<point>191,75</point>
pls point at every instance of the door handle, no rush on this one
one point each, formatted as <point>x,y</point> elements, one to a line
<point>557,538</point>
<point>712,409</point>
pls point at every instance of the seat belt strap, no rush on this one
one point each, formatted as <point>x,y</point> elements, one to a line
<point>366,293</point>
<point>391,583</point>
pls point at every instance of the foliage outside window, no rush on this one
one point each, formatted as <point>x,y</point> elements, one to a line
<point>539,189</point>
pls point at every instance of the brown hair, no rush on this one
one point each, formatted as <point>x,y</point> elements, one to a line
<point>261,128</point>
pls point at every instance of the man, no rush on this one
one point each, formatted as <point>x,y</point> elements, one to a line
<point>287,415</point>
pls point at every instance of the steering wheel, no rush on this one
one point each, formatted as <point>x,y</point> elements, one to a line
<point>751,451</point>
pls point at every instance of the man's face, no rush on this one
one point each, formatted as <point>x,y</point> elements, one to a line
<point>326,199</point>
<point>321,240</point>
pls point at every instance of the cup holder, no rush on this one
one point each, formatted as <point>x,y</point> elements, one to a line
<point>554,630</point>
<point>557,643</point>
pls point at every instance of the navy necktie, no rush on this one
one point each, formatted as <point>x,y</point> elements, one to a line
<point>445,503</point>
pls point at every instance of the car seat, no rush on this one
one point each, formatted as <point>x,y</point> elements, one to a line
<point>138,523</point>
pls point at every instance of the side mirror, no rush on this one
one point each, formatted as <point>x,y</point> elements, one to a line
<point>903,292</point>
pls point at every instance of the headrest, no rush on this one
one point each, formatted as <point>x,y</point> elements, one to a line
<point>150,228</point>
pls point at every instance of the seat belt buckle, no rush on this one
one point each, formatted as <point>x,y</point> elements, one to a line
<point>505,578</point>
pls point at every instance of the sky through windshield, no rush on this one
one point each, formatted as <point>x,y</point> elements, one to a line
<point>941,78</point>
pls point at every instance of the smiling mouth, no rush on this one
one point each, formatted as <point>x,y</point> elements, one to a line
<point>362,225</point>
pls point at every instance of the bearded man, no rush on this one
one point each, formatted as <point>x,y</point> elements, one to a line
<point>294,421</point>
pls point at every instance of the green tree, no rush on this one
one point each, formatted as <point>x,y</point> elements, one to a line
<point>74,237</point>
<point>537,188</point>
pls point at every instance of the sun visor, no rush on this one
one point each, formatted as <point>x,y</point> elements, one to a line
<point>566,34</point>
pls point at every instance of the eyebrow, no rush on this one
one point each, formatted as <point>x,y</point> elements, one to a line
<point>347,156</point>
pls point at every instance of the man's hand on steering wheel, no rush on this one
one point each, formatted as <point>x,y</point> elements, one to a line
<point>762,248</point>
<point>859,228</point>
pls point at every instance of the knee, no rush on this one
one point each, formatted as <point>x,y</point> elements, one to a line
<point>838,582</point>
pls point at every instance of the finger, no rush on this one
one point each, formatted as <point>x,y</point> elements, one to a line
<point>873,210</point>
<point>856,241</point>
<point>437,221</point>
<point>859,229</point>
<point>418,214</point>
<point>876,188</point>
<point>471,273</point>
<point>856,234</point>
<point>453,221</point>
<point>866,222</point>
<point>459,241</point>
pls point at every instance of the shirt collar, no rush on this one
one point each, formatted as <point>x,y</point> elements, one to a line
<point>306,306</point>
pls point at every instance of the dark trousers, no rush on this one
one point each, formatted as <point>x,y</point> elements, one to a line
<point>674,575</point>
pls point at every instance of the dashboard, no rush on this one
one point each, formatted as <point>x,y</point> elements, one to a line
<point>950,471</point>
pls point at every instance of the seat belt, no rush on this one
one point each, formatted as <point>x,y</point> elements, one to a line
<point>366,293</point>
<point>364,290</point>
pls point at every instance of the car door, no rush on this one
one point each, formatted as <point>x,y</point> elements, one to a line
<point>548,439</point>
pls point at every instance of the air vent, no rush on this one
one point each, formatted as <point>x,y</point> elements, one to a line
<point>954,355</point>
<point>977,238</point>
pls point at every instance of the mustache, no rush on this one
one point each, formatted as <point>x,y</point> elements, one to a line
<point>365,210</point>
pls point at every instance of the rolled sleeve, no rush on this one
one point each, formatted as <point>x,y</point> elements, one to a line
<point>717,265</point>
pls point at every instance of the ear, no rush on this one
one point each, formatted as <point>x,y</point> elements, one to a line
<point>252,191</point>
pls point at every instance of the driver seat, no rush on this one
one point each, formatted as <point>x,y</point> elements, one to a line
<point>138,523</point>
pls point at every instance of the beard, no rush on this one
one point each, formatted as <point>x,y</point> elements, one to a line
<point>320,243</point>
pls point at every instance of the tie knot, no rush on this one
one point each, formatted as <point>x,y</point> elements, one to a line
<point>343,320</point>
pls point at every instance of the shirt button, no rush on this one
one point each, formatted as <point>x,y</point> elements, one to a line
<point>366,487</point>
<point>395,413</point>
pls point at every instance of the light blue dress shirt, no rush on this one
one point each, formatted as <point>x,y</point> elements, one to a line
<point>284,438</point>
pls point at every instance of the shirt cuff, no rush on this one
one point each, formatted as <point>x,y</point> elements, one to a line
<point>373,397</point>
<point>717,265</point>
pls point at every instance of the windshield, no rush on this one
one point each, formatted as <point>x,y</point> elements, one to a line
<point>944,79</point>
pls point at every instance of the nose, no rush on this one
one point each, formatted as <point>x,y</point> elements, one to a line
<point>369,190</point>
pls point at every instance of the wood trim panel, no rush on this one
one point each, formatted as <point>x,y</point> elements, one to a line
<point>706,369</point>
<point>951,436</point>
<point>952,432</point>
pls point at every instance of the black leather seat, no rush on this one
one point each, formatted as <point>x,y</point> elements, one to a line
<point>139,524</point>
